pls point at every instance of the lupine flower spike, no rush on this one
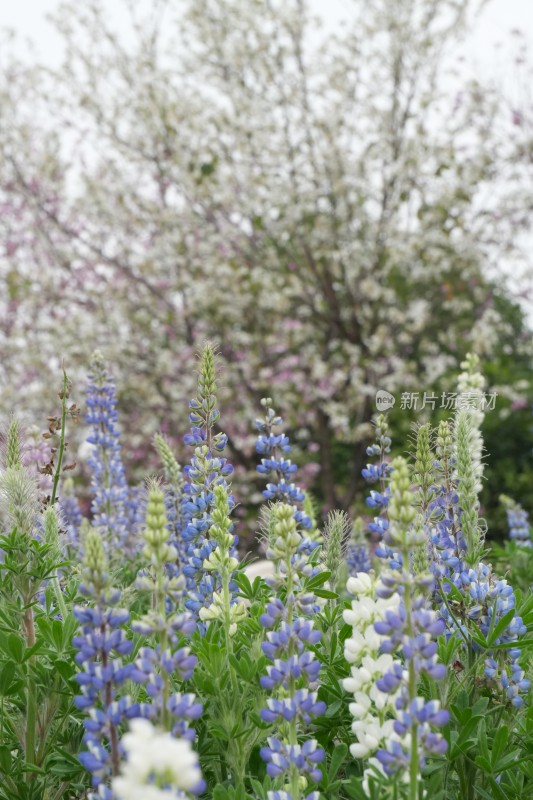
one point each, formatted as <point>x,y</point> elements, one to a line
<point>173,489</point>
<point>159,666</point>
<point>102,644</point>
<point>293,674</point>
<point>410,633</point>
<point>371,707</point>
<point>206,470</point>
<point>378,499</point>
<point>111,507</point>
<point>337,532</point>
<point>273,446</point>
<point>157,767</point>
<point>223,563</point>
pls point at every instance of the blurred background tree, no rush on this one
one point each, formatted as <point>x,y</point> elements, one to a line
<point>323,206</point>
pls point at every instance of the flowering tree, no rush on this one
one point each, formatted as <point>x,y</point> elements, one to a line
<point>224,171</point>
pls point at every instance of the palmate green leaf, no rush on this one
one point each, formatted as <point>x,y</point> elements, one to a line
<point>64,764</point>
<point>5,760</point>
<point>243,582</point>
<point>499,743</point>
<point>65,668</point>
<point>338,756</point>
<point>244,666</point>
<point>7,673</point>
<point>317,581</point>
<point>482,741</point>
<point>521,643</point>
<point>15,648</point>
<point>325,593</point>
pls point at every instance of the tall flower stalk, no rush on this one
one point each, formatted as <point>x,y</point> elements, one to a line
<point>410,633</point>
<point>223,563</point>
<point>206,470</point>
<point>102,644</point>
<point>173,490</point>
<point>158,666</point>
<point>110,489</point>
<point>293,675</point>
<point>378,498</point>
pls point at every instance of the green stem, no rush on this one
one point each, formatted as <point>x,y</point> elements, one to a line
<point>159,602</point>
<point>31,696</point>
<point>412,688</point>
<point>61,449</point>
<point>227,624</point>
<point>294,775</point>
<point>113,734</point>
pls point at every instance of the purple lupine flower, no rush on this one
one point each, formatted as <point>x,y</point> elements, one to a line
<point>410,631</point>
<point>110,506</point>
<point>292,676</point>
<point>101,646</point>
<point>272,446</point>
<point>279,756</point>
<point>157,667</point>
<point>518,521</point>
<point>380,473</point>
<point>206,470</point>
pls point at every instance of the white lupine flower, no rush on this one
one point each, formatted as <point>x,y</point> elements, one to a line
<point>361,650</point>
<point>371,734</point>
<point>360,584</point>
<point>362,705</point>
<point>155,757</point>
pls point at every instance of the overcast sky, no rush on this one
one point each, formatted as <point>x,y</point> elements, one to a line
<point>28,19</point>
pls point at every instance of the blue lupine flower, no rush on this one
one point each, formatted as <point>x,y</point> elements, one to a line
<point>155,669</point>
<point>279,756</point>
<point>293,673</point>
<point>112,504</point>
<point>486,598</point>
<point>518,521</point>
<point>380,473</point>
<point>158,666</point>
<point>410,630</point>
<point>271,445</point>
<point>205,471</point>
<point>101,645</point>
